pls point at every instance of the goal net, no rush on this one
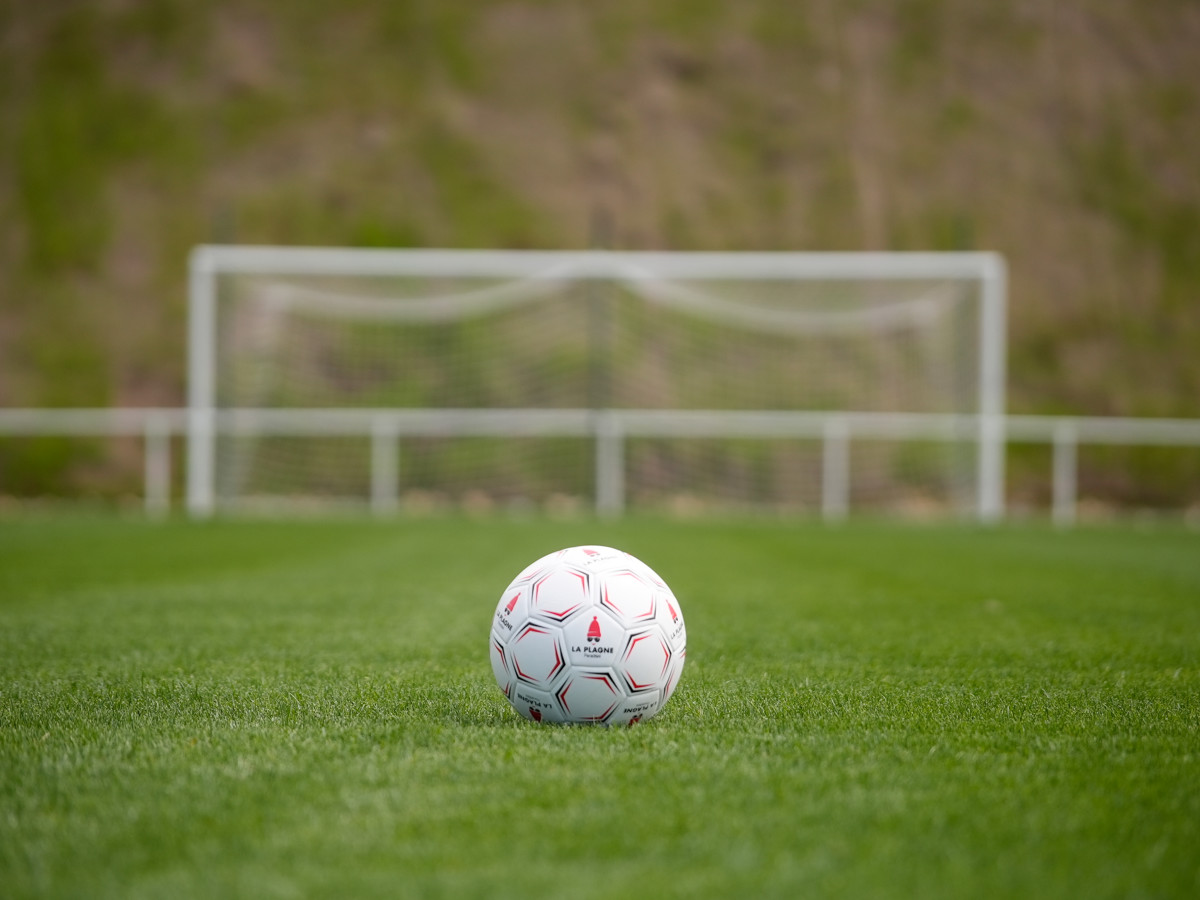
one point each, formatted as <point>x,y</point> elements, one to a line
<point>556,381</point>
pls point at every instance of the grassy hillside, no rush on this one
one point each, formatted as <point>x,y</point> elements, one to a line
<point>1063,135</point>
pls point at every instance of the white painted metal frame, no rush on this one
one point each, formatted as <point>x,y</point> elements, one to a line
<point>208,262</point>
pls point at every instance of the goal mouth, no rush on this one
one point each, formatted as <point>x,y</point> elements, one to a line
<point>503,379</point>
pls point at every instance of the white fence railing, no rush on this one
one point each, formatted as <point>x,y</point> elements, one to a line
<point>609,429</point>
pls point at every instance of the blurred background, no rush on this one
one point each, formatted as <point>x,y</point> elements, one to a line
<point>1064,135</point>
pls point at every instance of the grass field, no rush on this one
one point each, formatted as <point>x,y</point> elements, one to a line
<point>306,709</point>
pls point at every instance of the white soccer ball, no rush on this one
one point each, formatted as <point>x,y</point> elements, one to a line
<point>588,634</point>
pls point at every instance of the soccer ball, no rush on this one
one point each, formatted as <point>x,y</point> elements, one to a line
<point>588,634</point>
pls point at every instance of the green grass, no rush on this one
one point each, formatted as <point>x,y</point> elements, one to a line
<point>250,709</point>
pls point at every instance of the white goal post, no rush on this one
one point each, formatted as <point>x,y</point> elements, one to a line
<point>377,346</point>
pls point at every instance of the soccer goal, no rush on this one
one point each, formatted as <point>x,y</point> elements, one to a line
<point>529,380</point>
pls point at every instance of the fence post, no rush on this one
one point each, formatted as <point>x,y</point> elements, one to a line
<point>835,469</point>
<point>202,380</point>
<point>1066,445</point>
<point>610,464</point>
<point>157,490</point>
<point>993,339</point>
<point>385,466</point>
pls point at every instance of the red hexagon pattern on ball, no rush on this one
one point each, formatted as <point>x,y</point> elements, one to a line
<point>500,669</point>
<point>643,570</point>
<point>536,568</point>
<point>629,596</point>
<point>589,696</point>
<point>646,660</point>
<point>537,655</point>
<point>559,595</point>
